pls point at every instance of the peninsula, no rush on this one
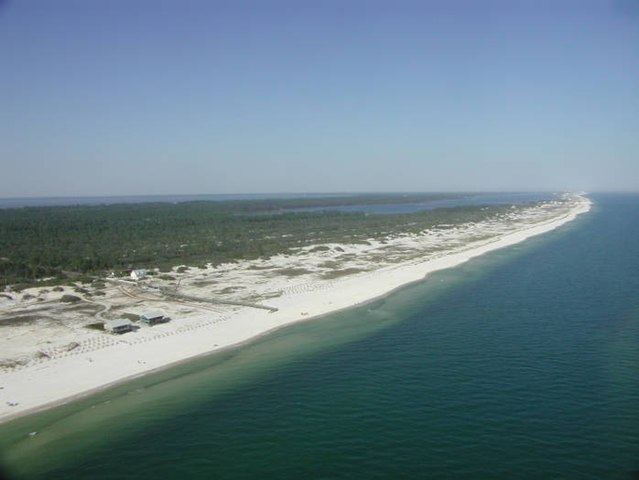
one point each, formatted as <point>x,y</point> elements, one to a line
<point>54,345</point>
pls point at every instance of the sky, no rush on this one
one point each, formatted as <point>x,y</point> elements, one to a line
<point>126,97</point>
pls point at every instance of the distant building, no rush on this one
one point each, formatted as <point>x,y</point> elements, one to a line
<point>138,274</point>
<point>118,326</point>
<point>154,317</point>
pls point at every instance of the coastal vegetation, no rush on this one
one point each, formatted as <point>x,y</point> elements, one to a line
<point>73,243</point>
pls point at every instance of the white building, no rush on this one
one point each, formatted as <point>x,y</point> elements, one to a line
<point>138,274</point>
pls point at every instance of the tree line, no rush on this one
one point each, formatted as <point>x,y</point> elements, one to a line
<point>39,242</point>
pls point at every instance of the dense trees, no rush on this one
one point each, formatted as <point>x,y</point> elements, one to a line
<point>62,241</point>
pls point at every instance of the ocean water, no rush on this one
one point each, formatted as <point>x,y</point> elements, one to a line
<point>521,364</point>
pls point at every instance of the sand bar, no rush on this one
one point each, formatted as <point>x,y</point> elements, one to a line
<point>51,361</point>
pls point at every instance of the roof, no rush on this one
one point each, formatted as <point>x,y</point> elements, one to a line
<point>121,322</point>
<point>150,315</point>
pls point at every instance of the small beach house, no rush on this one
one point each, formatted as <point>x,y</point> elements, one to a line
<point>118,326</point>
<point>138,274</point>
<point>154,317</point>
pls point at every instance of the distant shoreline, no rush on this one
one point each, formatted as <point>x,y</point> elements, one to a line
<point>100,200</point>
<point>83,371</point>
<point>20,202</point>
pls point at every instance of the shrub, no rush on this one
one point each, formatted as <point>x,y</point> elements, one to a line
<point>70,299</point>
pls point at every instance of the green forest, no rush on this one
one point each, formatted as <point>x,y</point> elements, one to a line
<point>81,241</point>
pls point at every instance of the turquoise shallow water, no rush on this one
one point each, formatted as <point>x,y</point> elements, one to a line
<point>520,364</point>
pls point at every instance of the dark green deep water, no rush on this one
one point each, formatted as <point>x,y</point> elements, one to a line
<point>523,363</point>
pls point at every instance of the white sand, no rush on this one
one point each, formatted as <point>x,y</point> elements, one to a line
<point>74,360</point>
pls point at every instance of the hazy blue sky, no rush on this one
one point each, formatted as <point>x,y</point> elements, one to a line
<point>109,97</point>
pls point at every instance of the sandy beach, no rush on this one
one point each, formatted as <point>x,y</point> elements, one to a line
<point>48,355</point>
